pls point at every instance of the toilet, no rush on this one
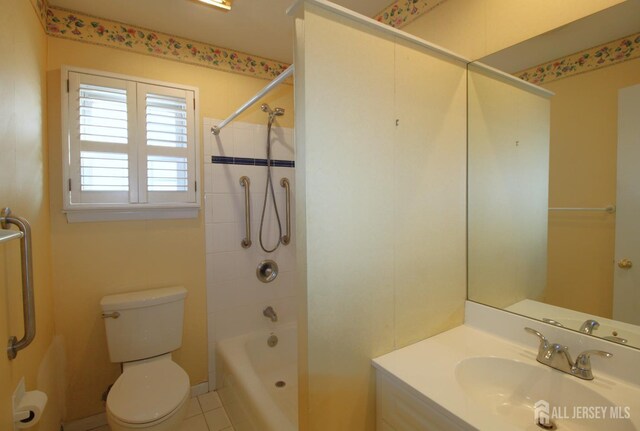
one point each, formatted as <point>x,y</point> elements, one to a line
<point>143,328</point>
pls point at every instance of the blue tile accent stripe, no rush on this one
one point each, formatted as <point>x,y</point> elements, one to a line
<point>221,160</point>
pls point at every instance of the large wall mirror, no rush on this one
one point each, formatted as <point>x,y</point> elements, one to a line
<point>554,177</point>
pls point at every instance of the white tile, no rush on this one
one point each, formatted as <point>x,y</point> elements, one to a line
<point>270,234</point>
<point>231,265</point>
<point>227,208</point>
<point>257,175</point>
<point>243,140</point>
<point>208,237</point>
<point>257,198</point>
<point>231,322</point>
<point>225,237</point>
<point>211,294</point>
<point>208,176</point>
<point>211,328</point>
<point>226,178</point>
<point>208,208</point>
<point>209,271</point>
<point>209,401</point>
<point>235,293</point>
<point>211,341</point>
<point>290,142</point>
<point>283,286</point>
<point>281,149</point>
<point>193,408</point>
<point>260,145</point>
<point>217,420</point>
<point>222,144</point>
<point>195,423</point>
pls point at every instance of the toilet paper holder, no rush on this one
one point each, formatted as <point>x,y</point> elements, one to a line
<point>27,406</point>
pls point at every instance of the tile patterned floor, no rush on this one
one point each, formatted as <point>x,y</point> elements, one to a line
<point>204,413</point>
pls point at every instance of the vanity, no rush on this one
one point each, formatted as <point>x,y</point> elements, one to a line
<point>484,375</point>
<point>551,335</point>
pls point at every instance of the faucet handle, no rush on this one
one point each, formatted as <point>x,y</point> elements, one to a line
<point>544,343</point>
<point>583,361</point>
<point>582,366</point>
<point>538,334</point>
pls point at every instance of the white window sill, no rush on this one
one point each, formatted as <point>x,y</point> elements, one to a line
<point>122,214</point>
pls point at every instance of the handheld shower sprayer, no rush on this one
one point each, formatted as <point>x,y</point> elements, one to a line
<point>277,112</point>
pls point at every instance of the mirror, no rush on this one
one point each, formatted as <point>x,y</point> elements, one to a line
<point>554,183</point>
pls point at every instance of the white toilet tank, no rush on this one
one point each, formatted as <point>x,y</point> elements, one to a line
<point>148,323</point>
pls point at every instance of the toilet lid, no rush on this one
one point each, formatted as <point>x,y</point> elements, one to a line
<point>148,392</point>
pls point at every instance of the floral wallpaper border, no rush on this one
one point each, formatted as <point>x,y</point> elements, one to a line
<point>41,8</point>
<point>72,25</point>
<point>626,48</point>
<point>402,12</point>
<point>81,27</point>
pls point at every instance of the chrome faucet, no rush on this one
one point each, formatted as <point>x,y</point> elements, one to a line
<point>557,356</point>
<point>270,313</point>
<point>589,326</point>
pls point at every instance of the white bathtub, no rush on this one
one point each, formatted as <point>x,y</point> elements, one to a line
<point>248,370</point>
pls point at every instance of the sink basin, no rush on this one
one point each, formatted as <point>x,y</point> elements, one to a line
<point>509,389</point>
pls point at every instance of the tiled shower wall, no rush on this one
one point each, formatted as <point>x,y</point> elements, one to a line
<point>235,296</point>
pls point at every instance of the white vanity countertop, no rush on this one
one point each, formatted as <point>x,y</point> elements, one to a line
<point>428,370</point>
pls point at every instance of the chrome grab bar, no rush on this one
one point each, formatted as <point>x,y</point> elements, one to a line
<point>28,303</point>
<point>609,209</point>
<point>246,183</point>
<point>284,182</point>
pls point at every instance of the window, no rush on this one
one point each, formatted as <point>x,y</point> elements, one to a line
<point>130,148</point>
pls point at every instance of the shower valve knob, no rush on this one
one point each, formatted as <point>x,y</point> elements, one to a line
<point>625,263</point>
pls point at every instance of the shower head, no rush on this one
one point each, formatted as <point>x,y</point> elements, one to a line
<point>272,113</point>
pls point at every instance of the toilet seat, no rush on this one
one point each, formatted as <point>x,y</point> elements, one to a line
<point>148,391</point>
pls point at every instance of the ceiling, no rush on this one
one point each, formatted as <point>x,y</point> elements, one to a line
<point>258,27</point>
<point>605,26</point>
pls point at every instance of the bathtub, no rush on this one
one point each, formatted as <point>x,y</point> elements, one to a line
<point>258,384</point>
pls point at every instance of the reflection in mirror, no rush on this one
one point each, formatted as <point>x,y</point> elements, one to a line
<point>554,184</point>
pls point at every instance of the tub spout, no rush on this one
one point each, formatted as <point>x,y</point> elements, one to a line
<point>270,313</point>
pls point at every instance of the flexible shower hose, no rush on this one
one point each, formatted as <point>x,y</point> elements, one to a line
<point>269,186</point>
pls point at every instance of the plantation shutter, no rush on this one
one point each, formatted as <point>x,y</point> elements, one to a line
<point>130,148</point>
<point>167,151</point>
<point>102,152</point>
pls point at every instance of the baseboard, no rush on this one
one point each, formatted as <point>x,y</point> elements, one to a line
<point>86,424</point>
<point>199,389</point>
<point>100,419</point>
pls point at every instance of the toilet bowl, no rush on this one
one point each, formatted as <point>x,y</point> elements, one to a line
<point>149,395</point>
<point>143,328</point>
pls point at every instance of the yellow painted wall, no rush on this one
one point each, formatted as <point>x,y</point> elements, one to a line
<point>23,187</point>
<point>91,260</point>
<point>476,28</point>
<point>382,245</point>
<point>508,190</point>
<point>584,123</point>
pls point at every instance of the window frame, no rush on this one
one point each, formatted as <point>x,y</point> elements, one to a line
<point>90,212</point>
